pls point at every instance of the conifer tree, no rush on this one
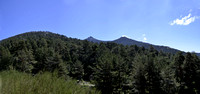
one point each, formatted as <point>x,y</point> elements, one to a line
<point>103,74</point>
<point>140,83</point>
<point>5,58</point>
<point>153,77</point>
<point>24,60</point>
<point>178,62</point>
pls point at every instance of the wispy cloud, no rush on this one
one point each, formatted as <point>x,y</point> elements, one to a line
<point>185,20</point>
<point>144,37</point>
<point>190,10</point>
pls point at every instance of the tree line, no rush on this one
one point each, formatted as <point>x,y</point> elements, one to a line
<point>113,68</point>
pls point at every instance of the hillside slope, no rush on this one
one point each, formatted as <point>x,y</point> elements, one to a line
<point>110,67</point>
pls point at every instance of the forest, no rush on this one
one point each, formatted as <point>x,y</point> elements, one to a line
<point>112,68</point>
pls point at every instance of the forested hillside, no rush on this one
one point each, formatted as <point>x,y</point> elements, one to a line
<point>111,67</point>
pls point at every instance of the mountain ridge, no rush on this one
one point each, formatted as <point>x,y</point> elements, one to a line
<point>122,40</point>
<point>128,41</point>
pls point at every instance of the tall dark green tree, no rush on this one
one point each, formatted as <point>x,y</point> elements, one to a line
<point>120,74</point>
<point>190,73</point>
<point>76,70</point>
<point>47,60</point>
<point>179,71</point>
<point>168,83</point>
<point>178,62</point>
<point>103,74</point>
<point>140,83</point>
<point>5,58</point>
<point>24,60</point>
<point>153,77</point>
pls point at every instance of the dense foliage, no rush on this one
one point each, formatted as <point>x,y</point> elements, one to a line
<point>113,68</point>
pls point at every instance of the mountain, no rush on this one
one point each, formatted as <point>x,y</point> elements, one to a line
<point>35,53</point>
<point>127,41</point>
<point>122,40</point>
<point>91,39</point>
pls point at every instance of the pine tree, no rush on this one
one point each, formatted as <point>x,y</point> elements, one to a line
<point>190,73</point>
<point>153,77</point>
<point>77,70</point>
<point>24,60</point>
<point>178,62</point>
<point>103,74</point>
<point>120,74</point>
<point>5,58</point>
<point>140,83</point>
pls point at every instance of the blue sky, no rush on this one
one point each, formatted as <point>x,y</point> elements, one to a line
<point>173,23</point>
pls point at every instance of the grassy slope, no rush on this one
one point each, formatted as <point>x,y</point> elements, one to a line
<point>12,82</point>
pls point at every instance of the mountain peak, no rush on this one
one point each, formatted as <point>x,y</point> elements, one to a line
<point>92,39</point>
<point>124,38</point>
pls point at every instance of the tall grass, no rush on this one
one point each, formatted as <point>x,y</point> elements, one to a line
<point>14,82</point>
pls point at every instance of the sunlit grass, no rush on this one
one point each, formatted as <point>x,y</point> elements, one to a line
<point>14,82</point>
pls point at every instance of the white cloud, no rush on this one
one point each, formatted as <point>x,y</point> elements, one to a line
<point>185,20</point>
<point>125,36</point>
<point>144,37</point>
